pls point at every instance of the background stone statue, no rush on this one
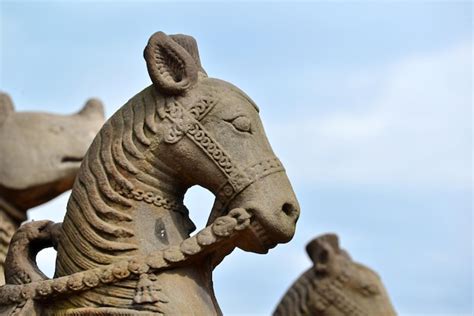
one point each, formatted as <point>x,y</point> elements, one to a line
<point>335,286</point>
<point>40,155</point>
<point>124,247</point>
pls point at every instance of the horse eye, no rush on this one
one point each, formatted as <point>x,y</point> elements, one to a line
<point>242,124</point>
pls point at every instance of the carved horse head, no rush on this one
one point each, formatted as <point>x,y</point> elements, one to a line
<point>40,155</point>
<point>185,129</point>
<point>41,152</point>
<point>335,285</point>
<point>213,136</point>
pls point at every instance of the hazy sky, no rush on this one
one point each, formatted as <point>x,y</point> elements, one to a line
<point>367,104</point>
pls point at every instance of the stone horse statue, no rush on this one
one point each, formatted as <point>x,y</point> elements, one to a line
<point>40,155</point>
<point>124,247</point>
<point>335,286</point>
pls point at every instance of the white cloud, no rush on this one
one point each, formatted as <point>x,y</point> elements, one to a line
<point>414,131</point>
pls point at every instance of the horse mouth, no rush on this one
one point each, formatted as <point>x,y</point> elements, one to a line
<point>262,237</point>
<point>71,160</point>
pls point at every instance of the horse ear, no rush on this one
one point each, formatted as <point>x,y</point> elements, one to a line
<point>323,248</point>
<point>93,107</point>
<point>6,106</point>
<point>190,45</point>
<point>172,69</point>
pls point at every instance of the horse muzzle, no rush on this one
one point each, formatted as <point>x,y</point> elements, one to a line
<point>274,209</point>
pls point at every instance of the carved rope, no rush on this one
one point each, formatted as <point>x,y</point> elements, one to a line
<point>220,231</point>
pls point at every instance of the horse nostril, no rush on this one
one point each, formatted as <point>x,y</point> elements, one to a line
<point>289,209</point>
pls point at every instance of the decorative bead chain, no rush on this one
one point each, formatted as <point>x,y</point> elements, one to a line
<point>151,198</point>
<point>220,231</point>
<point>187,122</point>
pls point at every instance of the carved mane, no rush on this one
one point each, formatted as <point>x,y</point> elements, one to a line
<point>120,168</point>
<point>109,179</point>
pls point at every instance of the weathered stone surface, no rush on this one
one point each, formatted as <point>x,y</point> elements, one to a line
<point>40,155</point>
<point>124,247</point>
<point>335,286</point>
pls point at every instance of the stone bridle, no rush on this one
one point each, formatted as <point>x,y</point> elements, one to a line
<point>187,123</point>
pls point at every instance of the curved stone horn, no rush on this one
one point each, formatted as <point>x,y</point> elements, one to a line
<point>171,68</point>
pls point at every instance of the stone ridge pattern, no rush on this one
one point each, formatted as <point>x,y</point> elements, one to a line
<point>7,229</point>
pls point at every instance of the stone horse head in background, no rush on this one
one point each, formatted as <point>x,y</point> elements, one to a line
<point>40,155</point>
<point>125,245</point>
<point>335,285</point>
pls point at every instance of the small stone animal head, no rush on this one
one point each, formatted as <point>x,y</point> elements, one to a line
<point>40,153</point>
<point>328,258</point>
<point>213,137</point>
<point>342,286</point>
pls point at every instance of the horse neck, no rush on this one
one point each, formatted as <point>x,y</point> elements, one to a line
<point>126,201</point>
<point>122,193</point>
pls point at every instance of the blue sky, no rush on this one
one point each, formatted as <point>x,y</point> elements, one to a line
<point>368,105</point>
